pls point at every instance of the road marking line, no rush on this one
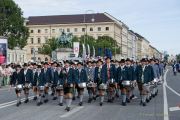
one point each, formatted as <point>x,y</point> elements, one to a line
<point>166,115</point>
<point>72,112</point>
<point>172,90</point>
<point>13,102</point>
<point>2,89</point>
<point>174,109</point>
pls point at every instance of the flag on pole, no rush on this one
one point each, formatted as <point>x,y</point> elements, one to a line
<point>84,52</point>
<point>94,52</point>
<point>88,51</point>
<point>76,48</point>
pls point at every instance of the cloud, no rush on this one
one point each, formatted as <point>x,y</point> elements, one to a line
<point>157,20</point>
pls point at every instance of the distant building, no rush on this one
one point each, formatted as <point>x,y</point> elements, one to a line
<point>42,28</point>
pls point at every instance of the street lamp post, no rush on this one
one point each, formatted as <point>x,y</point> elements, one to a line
<point>92,20</point>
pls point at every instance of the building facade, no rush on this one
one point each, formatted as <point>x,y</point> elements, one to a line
<point>42,28</point>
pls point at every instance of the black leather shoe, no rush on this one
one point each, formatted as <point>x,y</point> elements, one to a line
<point>60,104</point>
<point>94,98</point>
<point>144,104</point>
<point>101,104</point>
<point>67,109</point>
<point>54,98</point>
<point>109,100</point>
<point>74,98</point>
<point>46,100</point>
<point>35,98</point>
<point>26,101</point>
<point>147,100</point>
<point>80,104</point>
<point>17,104</point>
<point>123,104</point>
<point>128,100</point>
<point>89,100</point>
<point>132,96</point>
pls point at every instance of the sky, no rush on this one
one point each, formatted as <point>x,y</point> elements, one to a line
<point>156,20</point>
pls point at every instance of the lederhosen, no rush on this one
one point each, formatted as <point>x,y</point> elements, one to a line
<point>67,86</point>
<point>99,79</point>
<point>59,80</point>
<point>18,78</point>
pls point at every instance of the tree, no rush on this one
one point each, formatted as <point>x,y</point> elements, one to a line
<point>106,42</point>
<point>178,58</point>
<point>12,24</point>
<point>49,46</point>
<point>166,57</point>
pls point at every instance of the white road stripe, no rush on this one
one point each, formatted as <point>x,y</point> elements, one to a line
<point>4,105</point>
<point>174,109</point>
<point>72,112</point>
<point>166,115</point>
<point>3,89</point>
<point>172,90</point>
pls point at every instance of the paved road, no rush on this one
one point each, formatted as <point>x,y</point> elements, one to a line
<point>173,95</point>
<point>110,111</point>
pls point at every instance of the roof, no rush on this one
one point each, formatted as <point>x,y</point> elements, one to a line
<point>68,19</point>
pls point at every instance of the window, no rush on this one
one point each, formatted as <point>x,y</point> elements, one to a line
<point>32,40</point>
<point>46,39</point>
<point>75,29</point>
<point>99,28</point>
<point>107,28</point>
<point>32,31</point>
<point>83,29</point>
<point>60,30</point>
<point>32,50</point>
<point>68,30</point>
<point>53,30</point>
<point>39,31</point>
<point>39,40</point>
<point>46,30</point>
<point>91,29</point>
<point>39,49</point>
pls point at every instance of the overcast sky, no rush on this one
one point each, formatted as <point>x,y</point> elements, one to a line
<point>157,20</point>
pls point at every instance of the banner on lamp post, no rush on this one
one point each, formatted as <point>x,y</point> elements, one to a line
<point>76,48</point>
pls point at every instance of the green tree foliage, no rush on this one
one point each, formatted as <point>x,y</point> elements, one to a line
<point>166,58</point>
<point>103,42</point>
<point>49,46</point>
<point>178,57</point>
<point>12,24</point>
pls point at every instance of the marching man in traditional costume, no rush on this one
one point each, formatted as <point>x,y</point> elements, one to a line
<point>98,80</point>
<point>18,80</point>
<point>81,80</point>
<point>68,77</point>
<point>91,86</point>
<point>109,78</point>
<point>144,77</point>
<point>28,74</point>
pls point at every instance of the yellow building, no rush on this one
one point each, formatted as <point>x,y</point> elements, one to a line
<point>154,53</point>
<point>142,47</point>
<point>42,28</point>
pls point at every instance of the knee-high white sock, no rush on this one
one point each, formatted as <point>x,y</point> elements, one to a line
<point>101,99</point>
<point>61,99</point>
<point>144,98</point>
<point>124,98</point>
<point>81,98</point>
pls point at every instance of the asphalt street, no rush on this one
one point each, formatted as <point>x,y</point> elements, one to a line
<point>155,110</point>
